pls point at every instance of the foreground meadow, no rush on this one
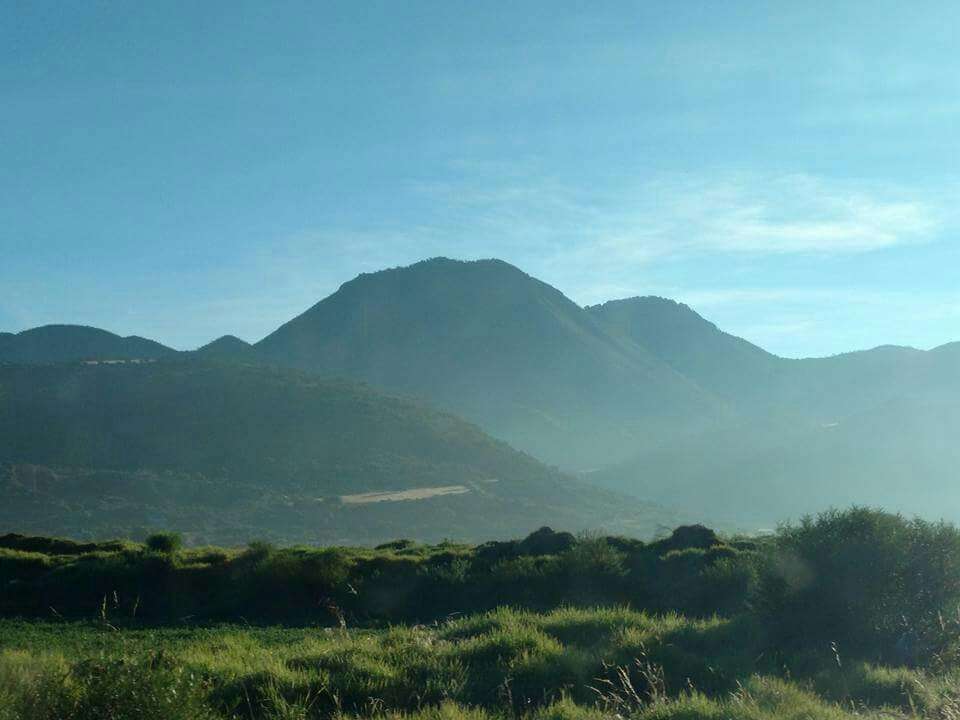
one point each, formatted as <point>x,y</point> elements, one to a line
<point>845,616</point>
<point>569,663</point>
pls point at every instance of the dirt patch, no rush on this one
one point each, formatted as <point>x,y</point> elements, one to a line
<point>397,495</point>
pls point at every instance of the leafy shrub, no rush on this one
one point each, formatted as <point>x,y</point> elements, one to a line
<point>167,543</point>
<point>869,581</point>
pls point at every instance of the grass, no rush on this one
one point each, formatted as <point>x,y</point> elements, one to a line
<point>569,663</point>
<point>850,615</point>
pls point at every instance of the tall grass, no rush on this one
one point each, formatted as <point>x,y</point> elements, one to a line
<point>569,663</point>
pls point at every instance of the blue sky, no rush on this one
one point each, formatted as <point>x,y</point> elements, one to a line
<point>185,170</point>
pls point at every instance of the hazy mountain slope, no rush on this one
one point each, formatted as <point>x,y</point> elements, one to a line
<point>853,382</point>
<point>901,456</point>
<point>227,347</point>
<point>724,364</point>
<point>230,452</point>
<point>68,343</point>
<point>872,427</point>
<point>500,347</point>
<point>758,381</point>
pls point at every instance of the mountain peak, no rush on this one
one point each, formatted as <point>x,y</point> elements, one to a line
<point>693,346</point>
<point>651,305</point>
<point>486,340</point>
<point>438,266</point>
<point>226,346</point>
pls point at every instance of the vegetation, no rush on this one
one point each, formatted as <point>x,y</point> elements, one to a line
<point>168,543</point>
<point>225,453</point>
<point>852,614</point>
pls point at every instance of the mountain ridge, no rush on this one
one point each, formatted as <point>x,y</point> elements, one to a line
<point>72,343</point>
<point>642,390</point>
<point>489,342</point>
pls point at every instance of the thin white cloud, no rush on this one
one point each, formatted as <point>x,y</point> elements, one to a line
<point>594,245</point>
<point>683,215</point>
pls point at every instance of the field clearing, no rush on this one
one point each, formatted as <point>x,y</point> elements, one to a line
<point>568,664</point>
<point>402,495</point>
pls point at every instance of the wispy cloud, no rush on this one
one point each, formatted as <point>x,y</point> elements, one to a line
<point>750,214</point>
<point>593,243</point>
<point>801,321</point>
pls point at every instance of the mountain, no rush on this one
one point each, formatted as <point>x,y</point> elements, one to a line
<point>901,455</point>
<point>71,343</point>
<point>489,342</point>
<point>727,366</point>
<point>872,427</point>
<point>642,396</point>
<point>227,347</point>
<point>228,453</point>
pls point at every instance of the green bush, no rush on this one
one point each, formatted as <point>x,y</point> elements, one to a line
<point>167,543</point>
<point>872,583</point>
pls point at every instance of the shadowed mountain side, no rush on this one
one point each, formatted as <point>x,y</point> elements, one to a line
<point>231,452</point>
<point>488,341</point>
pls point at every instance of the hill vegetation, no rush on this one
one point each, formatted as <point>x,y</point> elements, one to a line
<point>227,452</point>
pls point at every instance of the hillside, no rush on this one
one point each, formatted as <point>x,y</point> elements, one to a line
<point>229,452</point>
<point>72,343</point>
<point>642,396</point>
<point>873,427</point>
<point>726,365</point>
<point>228,347</point>
<point>493,344</point>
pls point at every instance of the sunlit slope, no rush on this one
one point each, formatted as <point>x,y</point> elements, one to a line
<point>231,452</point>
<point>501,348</point>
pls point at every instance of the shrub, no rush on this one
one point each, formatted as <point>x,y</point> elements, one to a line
<point>167,543</point>
<point>872,582</point>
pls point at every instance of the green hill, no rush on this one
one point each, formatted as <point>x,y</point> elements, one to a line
<point>71,343</point>
<point>228,452</point>
<point>228,347</point>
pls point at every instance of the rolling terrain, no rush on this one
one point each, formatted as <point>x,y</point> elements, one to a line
<point>230,452</point>
<point>641,396</point>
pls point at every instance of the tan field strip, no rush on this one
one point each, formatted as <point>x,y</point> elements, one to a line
<point>395,496</point>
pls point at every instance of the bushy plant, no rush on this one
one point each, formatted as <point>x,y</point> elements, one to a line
<point>167,543</point>
<point>869,581</point>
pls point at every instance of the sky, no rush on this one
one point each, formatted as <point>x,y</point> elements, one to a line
<point>183,170</point>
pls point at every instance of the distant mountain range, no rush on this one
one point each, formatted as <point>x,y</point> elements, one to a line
<point>640,395</point>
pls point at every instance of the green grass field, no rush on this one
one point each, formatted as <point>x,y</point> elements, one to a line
<point>569,663</point>
<point>853,614</point>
